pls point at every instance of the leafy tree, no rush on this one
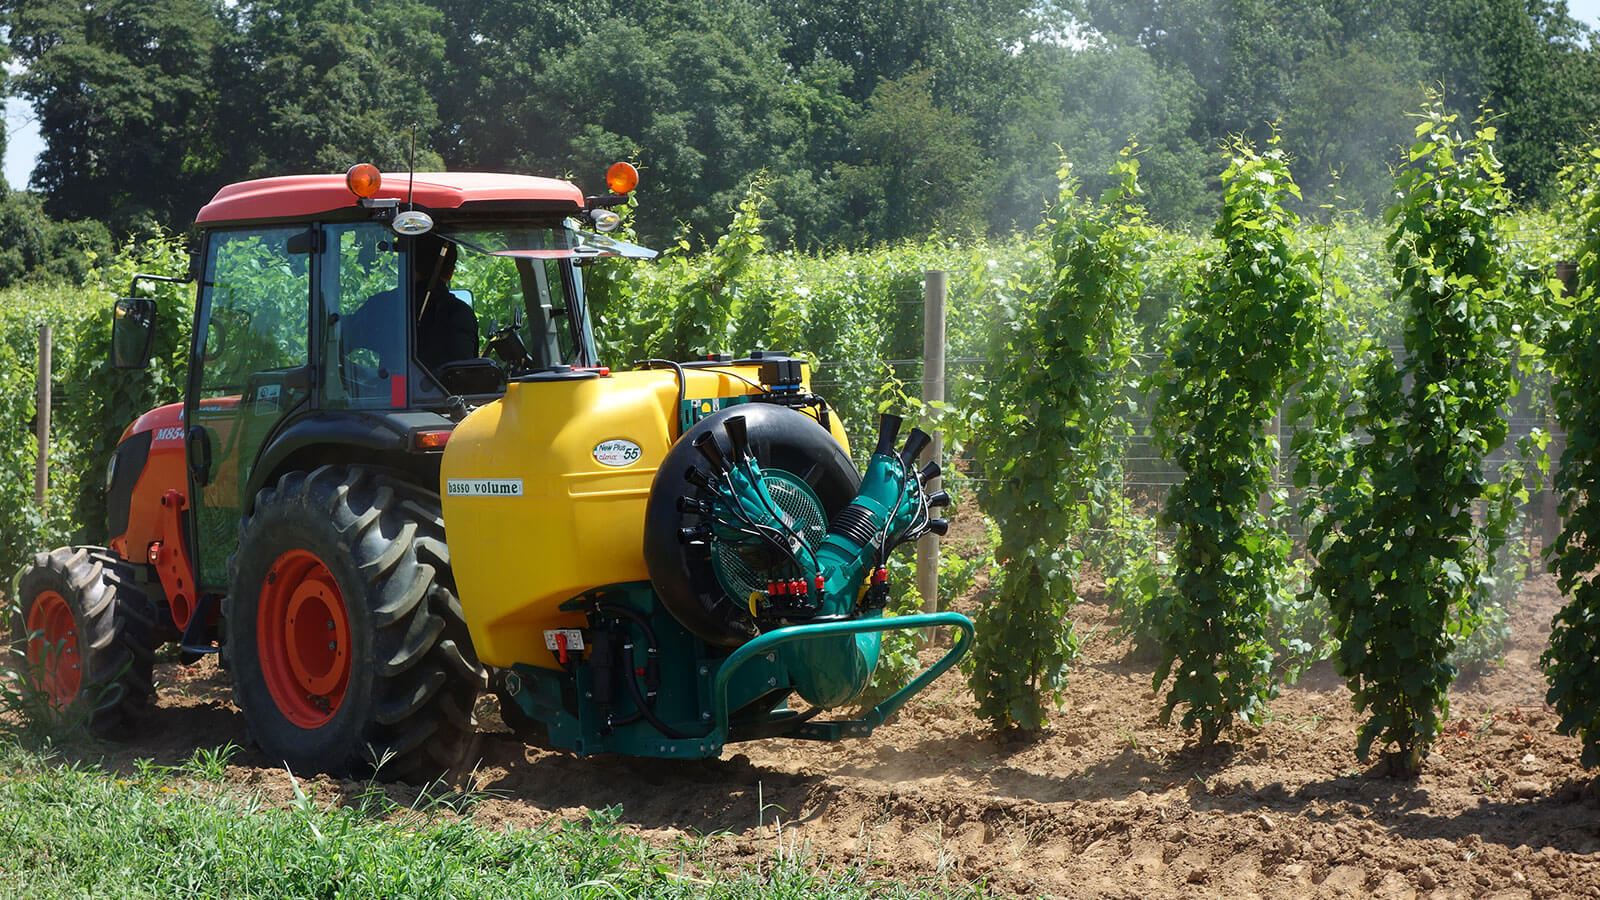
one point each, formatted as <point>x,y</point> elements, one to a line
<point>124,102</point>
<point>1087,103</point>
<point>1336,73</point>
<point>1242,54</point>
<point>1528,59</point>
<point>493,52</point>
<point>331,83</point>
<point>917,166</point>
<point>33,245</point>
<point>878,40</point>
<point>1348,118</point>
<point>695,91</point>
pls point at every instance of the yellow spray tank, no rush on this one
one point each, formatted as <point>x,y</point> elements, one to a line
<point>545,491</point>
<point>654,561</point>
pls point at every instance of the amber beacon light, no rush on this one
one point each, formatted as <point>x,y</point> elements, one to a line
<point>363,179</point>
<point>622,178</point>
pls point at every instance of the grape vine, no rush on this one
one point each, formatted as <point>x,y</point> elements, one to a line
<point>1400,549</point>
<point>1043,433</point>
<point>1572,661</point>
<point>1251,328</point>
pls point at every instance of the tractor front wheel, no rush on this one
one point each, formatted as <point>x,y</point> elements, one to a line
<point>84,630</point>
<point>345,640</point>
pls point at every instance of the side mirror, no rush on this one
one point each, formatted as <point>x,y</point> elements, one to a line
<point>133,332</point>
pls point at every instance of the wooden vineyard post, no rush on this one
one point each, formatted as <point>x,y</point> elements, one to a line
<point>936,285</point>
<point>41,469</point>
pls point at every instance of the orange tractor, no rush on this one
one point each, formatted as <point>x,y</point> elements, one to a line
<point>653,562</point>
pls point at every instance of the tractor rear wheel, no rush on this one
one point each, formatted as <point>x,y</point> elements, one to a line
<point>346,643</point>
<point>85,629</point>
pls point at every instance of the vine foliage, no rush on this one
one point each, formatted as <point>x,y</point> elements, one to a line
<point>1044,429</point>
<point>1253,326</point>
<point>1400,548</point>
<point>703,321</point>
<point>1572,661</point>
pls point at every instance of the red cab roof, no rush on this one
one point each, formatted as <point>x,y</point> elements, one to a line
<point>297,196</point>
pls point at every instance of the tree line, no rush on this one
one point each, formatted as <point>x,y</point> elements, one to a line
<point>864,121</point>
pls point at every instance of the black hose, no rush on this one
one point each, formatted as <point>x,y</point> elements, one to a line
<point>683,385</point>
<point>636,715</point>
<point>651,717</point>
<point>644,707</point>
<point>635,616</point>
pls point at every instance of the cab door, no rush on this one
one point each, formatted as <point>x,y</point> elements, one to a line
<point>249,370</point>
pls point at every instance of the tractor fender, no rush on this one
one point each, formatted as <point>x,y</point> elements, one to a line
<point>382,439</point>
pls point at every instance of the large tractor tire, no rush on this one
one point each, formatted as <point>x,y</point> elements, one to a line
<point>86,631</point>
<point>344,637</point>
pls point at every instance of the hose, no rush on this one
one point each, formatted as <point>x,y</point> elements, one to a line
<point>644,707</point>
<point>683,384</point>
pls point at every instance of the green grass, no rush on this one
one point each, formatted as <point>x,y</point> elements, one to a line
<point>73,830</point>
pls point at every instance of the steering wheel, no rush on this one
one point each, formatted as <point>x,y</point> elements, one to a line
<point>507,346</point>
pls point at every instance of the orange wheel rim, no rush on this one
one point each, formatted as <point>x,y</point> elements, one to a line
<point>303,639</point>
<point>53,649</point>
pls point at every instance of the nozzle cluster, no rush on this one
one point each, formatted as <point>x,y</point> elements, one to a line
<point>803,577</point>
<point>916,442</point>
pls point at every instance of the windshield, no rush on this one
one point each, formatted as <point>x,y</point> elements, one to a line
<point>537,296</point>
<point>533,242</point>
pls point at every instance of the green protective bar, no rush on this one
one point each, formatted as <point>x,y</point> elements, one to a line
<point>770,641</point>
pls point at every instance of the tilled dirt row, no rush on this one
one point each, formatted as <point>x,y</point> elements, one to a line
<point>1110,803</point>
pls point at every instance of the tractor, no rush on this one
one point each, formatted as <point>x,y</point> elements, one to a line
<point>400,478</point>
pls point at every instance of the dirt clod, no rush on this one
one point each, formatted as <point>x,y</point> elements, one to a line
<point>1524,790</point>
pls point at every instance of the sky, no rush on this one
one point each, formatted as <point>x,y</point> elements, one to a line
<point>23,143</point>
<point>1585,11</point>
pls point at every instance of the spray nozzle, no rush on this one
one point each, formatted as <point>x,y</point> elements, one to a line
<point>915,444</point>
<point>694,505</point>
<point>888,430</point>
<point>738,437</point>
<point>706,443</point>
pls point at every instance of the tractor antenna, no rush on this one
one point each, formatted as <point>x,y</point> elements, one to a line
<point>411,164</point>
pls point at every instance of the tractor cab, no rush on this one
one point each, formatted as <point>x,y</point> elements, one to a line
<point>369,312</point>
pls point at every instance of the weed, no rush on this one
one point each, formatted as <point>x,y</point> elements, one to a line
<point>29,711</point>
<point>1029,837</point>
<point>1127,738</point>
<point>209,764</point>
<point>944,858</point>
<point>27,708</point>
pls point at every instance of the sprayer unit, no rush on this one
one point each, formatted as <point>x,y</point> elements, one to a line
<point>747,556</point>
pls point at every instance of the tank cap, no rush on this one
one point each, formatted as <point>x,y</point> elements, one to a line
<point>556,373</point>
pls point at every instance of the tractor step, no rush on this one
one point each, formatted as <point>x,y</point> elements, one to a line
<point>194,642</point>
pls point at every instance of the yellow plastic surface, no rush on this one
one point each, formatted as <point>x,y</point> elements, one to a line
<point>578,523</point>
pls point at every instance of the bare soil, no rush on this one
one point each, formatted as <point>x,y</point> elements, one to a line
<point>1107,804</point>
